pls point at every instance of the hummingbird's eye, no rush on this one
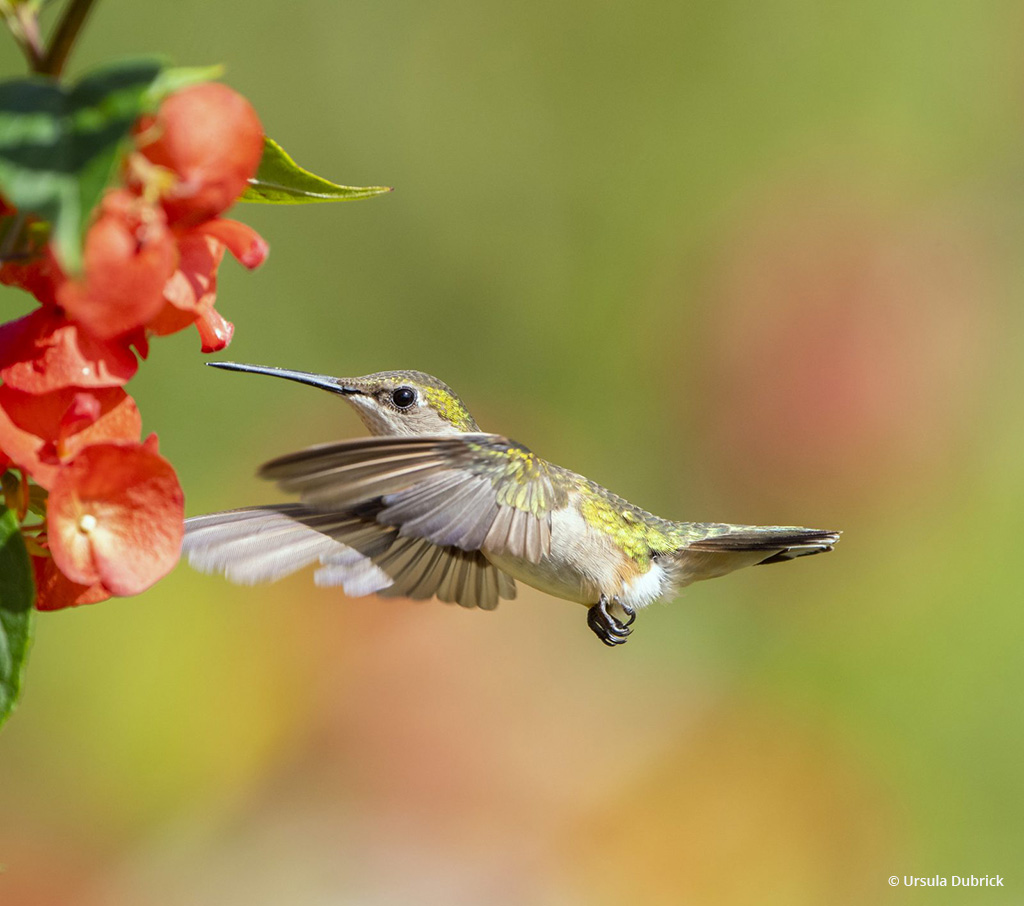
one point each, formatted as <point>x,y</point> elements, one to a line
<point>403,397</point>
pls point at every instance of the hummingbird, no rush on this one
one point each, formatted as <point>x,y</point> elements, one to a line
<point>431,506</point>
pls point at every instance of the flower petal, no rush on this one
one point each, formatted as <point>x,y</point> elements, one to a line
<point>41,430</point>
<point>129,256</point>
<point>83,411</point>
<point>248,246</point>
<point>171,319</point>
<point>55,591</point>
<point>44,351</point>
<point>215,331</point>
<point>194,284</point>
<point>39,276</point>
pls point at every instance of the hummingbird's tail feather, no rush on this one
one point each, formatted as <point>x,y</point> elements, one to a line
<point>726,548</point>
<point>785,542</point>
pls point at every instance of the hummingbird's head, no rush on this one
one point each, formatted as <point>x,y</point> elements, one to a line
<point>390,403</point>
<point>400,403</point>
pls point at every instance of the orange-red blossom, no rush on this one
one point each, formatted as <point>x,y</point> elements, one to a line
<point>114,516</point>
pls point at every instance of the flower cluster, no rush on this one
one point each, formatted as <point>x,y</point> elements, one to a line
<point>112,520</point>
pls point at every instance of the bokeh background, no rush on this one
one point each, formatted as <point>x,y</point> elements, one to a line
<point>744,262</point>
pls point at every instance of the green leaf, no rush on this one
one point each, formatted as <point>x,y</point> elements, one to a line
<point>279,180</point>
<point>17,593</point>
<point>60,146</point>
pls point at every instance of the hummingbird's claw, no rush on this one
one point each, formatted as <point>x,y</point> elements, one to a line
<point>605,626</point>
<point>630,613</point>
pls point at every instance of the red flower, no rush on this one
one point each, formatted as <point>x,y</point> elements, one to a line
<point>129,256</point>
<point>45,351</point>
<point>41,431</point>
<point>211,139</point>
<point>116,516</point>
<point>115,510</point>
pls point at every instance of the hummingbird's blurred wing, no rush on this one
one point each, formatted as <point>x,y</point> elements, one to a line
<point>468,491</point>
<point>266,543</point>
<point>421,570</point>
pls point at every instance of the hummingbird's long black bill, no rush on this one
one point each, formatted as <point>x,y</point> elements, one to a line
<point>323,381</point>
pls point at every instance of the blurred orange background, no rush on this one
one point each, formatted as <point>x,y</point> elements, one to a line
<point>750,263</point>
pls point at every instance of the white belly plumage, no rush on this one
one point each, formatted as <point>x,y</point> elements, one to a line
<point>583,565</point>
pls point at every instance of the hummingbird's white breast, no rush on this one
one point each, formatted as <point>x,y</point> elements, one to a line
<point>584,564</point>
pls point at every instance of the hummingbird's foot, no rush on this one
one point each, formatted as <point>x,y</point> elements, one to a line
<point>607,628</point>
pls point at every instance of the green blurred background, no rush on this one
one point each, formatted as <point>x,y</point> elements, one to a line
<point>744,262</point>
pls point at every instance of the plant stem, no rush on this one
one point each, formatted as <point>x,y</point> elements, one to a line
<point>71,22</point>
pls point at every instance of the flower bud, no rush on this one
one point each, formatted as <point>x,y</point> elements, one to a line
<point>211,139</point>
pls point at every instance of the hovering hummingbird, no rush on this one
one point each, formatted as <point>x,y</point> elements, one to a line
<point>431,506</point>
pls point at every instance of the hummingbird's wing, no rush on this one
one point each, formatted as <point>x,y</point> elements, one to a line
<point>468,491</point>
<point>264,544</point>
<point>420,570</point>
